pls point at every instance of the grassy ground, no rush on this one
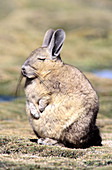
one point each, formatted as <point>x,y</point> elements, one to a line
<point>88,44</point>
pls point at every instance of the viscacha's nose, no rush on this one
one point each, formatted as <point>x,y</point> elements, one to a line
<point>23,70</point>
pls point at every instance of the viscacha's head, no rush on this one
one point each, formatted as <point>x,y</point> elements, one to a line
<point>42,60</point>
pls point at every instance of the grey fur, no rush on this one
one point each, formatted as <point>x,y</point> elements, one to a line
<point>61,103</point>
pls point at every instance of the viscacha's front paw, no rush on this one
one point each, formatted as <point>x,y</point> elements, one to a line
<point>33,111</point>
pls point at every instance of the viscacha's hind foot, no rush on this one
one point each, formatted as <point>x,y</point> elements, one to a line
<point>48,141</point>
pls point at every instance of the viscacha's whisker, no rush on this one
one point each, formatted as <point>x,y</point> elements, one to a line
<point>18,85</point>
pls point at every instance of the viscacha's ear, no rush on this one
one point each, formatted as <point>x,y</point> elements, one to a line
<point>56,43</point>
<point>47,38</point>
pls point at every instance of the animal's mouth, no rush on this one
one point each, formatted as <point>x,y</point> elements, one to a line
<point>29,72</point>
<point>28,75</point>
<point>23,72</point>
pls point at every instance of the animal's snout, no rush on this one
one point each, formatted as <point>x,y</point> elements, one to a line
<point>23,70</point>
<point>28,71</point>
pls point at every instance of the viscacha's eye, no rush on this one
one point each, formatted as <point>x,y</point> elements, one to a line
<point>41,59</point>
